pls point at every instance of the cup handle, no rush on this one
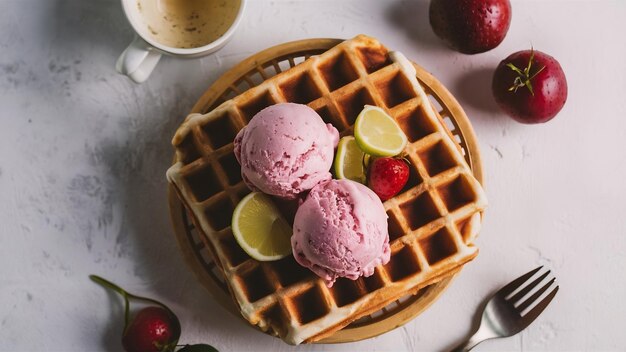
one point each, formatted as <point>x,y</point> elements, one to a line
<point>138,60</point>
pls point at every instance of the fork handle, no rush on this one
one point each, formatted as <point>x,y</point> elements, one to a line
<point>478,337</point>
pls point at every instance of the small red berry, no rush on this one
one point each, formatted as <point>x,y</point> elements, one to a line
<point>387,177</point>
<point>153,329</point>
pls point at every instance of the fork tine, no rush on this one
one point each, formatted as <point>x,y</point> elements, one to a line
<point>512,286</point>
<point>523,292</point>
<point>534,313</point>
<point>534,297</point>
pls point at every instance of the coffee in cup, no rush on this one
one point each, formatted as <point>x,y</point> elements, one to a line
<point>179,28</point>
<point>187,23</point>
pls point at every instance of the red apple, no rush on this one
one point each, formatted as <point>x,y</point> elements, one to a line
<point>470,26</point>
<point>530,86</point>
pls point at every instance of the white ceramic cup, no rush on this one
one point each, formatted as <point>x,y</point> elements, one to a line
<point>142,55</point>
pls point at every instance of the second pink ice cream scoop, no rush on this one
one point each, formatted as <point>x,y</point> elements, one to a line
<point>341,231</point>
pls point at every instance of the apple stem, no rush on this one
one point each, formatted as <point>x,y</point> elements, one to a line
<point>524,77</point>
<point>127,296</point>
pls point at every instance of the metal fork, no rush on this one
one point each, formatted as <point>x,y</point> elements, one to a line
<point>503,317</point>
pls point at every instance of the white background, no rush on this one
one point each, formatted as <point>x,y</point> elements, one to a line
<point>83,154</point>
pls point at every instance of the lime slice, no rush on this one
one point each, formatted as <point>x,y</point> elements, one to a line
<point>349,161</point>
<point>377,133</point>
<point>260,229</point>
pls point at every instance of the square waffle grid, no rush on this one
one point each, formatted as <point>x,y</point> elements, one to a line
<point>431,223</point>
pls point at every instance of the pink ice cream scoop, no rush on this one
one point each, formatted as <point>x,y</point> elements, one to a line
<point>286,149</point>
<point>340,230</point>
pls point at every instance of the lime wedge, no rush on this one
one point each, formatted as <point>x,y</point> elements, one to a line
<point>260,229</point>
<point>377,133</point>
<point>349,161</point>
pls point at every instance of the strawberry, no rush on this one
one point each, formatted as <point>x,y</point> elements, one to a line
<point>530,86</point>
<point>470,26</point>
<point>387,176</point>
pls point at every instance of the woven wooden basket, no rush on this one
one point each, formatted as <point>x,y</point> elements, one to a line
<point>249,73</point>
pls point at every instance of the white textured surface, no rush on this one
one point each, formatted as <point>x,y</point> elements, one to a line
<point>83,153</point>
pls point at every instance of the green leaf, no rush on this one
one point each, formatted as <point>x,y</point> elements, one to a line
<point>530,87</point>
<point>530,61</point>
<point>536,73</point>
<point>514,68</point>
<point>201,347</point>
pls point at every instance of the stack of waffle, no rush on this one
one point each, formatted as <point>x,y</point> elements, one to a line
<point>432,222</point>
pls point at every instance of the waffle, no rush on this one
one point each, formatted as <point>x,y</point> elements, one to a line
<point>432,222</point>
